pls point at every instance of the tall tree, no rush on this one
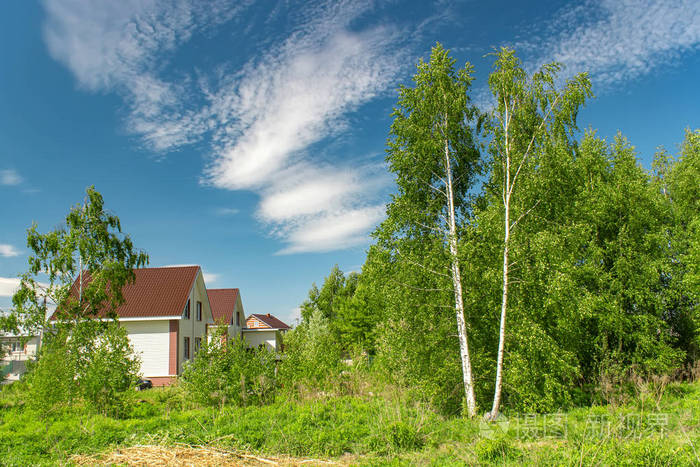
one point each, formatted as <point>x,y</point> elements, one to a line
<point>530,113</point>
<point>92,248</point>
<point>432,152</point>
<point>81,268</point>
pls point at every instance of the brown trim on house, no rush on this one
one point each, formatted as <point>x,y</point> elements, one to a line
<point>174,341</point>
<point>162,380</point>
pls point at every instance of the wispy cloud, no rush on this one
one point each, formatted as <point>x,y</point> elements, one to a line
<point>123,46</point>
<point>260,121</point>
<point>7,250</point>
<point>332,231</point>
<point>10,177</point>
<point>296,95</point>
<point>618,40</point>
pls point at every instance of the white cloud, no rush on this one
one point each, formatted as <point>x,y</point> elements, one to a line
<point>210,278</point>
<point>295,98</point>
<point>270,114</point>
<point>619,40</point>
<point>10,177</point>
<point>121,46</point>
<point>8,286</point>
<point>333,231</point>
<point>8,250</point>
<point>260,120</point>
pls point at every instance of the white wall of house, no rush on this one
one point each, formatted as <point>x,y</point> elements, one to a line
<point>255,338</point>
<point>15,356</point>
<point>151,342</point>
<point>193,328</point>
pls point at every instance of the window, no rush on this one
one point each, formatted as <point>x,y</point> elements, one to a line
<point>187,348</point>
<point>187,310</point>
<point>197,344</point>
<point>199,311</point>
<point>17,346</point>
<point>238,318</point>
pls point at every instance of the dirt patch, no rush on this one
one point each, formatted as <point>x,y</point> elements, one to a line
<point>185,455</point>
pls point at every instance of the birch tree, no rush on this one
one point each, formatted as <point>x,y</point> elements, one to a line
<point>432,153</point>
<point>81,355</point>
<point>530,112</point>
<point>91,244</point>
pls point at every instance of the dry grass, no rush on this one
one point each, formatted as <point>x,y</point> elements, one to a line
<point>186,455</point>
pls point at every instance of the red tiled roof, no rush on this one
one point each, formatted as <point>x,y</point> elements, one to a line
<point>155,292</point>
<point>271,321</point>
<point>223,302</point>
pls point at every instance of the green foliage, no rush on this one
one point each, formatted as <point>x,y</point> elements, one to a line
<point>493,450</point>
<point>363,430</point>
<point>679,182</point>
<point>106,367</point>
<point>433,154</point>
<point>93,364</point>
<point>227,371</point>
<point>50,382</point>
<point>603,277</point>
<point>86,264</point>
<point>312,356</point>
<point>92,247</point>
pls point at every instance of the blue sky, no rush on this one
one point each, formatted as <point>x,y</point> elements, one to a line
<point>249,137</point>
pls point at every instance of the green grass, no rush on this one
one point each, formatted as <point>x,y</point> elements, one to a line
<point>389,429</point>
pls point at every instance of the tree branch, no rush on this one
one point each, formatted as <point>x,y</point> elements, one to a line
<point>436,229</point>
<point>422,289</point>
<point>534,135</point>
<point>420,265</point>
<point>512,226</point>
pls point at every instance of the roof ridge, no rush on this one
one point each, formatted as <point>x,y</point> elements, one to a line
<point>184,266</point>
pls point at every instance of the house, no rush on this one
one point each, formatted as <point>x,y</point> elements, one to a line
<point>166,312</point>
<point>227,310</point>
<point>15,351</point>
<point>264,330</point>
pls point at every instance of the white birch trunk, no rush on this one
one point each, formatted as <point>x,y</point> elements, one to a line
<point>457,284</point>
<point>504,305</point>
<point>507,191</point>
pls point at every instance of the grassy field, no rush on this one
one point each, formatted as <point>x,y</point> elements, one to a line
<point>652,428</point>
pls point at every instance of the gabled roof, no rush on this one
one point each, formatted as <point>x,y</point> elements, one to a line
<point>223,303</point>
<point>271,321</point>
<point>155,292</point>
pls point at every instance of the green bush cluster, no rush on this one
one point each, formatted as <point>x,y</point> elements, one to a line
<point>90,363</point>
<point>227,371</point>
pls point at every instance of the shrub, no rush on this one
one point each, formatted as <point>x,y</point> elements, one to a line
<point>91,361</point>
<point>51,381</point>
<point>496,449</point>
<point>229,371</point>
<point>108,368</point>
<point>312,358</point>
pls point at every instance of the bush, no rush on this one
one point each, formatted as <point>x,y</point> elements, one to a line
<point>90,361</point>
<point>496,449</point>
<point>312,358</point>
<point>230,372</point>
<point>51,380</point>
<point>108,369</point>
